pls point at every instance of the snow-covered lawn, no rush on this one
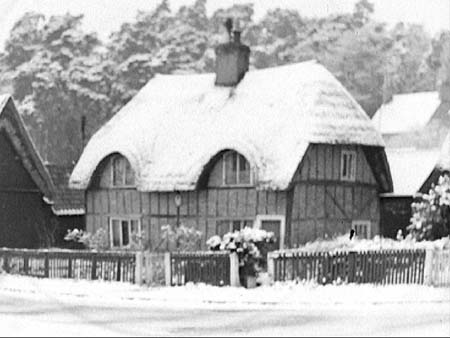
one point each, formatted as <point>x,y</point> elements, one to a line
<point>281,294</point>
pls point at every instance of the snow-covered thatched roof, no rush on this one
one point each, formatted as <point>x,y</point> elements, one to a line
<point>406,112</point>
<point>177,123</point>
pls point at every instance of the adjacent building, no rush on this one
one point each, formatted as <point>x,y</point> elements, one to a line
<point>414,127</point>
<point>26,189</point>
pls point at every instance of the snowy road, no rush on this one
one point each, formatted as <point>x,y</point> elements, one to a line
<point>44,314</point>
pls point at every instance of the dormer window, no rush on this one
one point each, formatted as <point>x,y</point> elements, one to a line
<point>236,169</point>
<point>122,173</point>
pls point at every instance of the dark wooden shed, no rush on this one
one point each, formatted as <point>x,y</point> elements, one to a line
<point>26,189</point>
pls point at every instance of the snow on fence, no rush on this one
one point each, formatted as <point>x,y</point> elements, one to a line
<point>379,267</point>
<point>179,268</point>
<point>77,264</point>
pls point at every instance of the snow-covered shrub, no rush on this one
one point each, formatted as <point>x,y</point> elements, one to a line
<point>249,245</point>
<point>73,235</point>
<point>98,241</point>
<point>431,212</point>
<point>180,238</point>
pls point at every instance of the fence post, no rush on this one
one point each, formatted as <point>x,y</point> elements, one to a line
<point>271,266</point>
<point>167,269</point>
<point>139,266</point>
<point>234,270</point>
<point>428,268</point>
<point>148,268</point>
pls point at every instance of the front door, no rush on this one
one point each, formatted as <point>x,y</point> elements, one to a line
<point>275,224</point>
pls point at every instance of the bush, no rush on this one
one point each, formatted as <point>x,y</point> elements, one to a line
<point>249,244</point>
<point>431,212</point>
<point>99,240</point>
<point>180,238</point>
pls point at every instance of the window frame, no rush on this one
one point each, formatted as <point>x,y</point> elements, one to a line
<point>123,163</point>
<point>345,154</point>
<point>230,221</point>
<point>357,224</point>
<point>238,165</point>
<point>120,220</point>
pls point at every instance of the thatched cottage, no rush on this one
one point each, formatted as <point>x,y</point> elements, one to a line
<point>286,149</point>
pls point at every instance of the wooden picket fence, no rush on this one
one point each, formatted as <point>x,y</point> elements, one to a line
<point>111,266</point>
<point>180,268</point>
<point>378,267</point>
<point>200,267</point>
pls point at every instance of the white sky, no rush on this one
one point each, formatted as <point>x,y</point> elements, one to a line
<point>105,16</point>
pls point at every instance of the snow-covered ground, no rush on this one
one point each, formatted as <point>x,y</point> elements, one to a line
<point>280,294</point>
<point>41,307</point>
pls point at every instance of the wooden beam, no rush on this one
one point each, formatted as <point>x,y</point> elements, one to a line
<point>337,204</point>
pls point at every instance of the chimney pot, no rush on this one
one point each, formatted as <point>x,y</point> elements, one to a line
<point>232,61</point>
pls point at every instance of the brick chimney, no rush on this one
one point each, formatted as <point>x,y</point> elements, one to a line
<point>232,58</point>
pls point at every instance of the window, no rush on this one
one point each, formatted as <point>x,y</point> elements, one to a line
<point>236,169</point>
<point>122,173</point>
<point>124,231</point>
<point>362,229</point>
<point>225,226</point>
<point>348,165</point>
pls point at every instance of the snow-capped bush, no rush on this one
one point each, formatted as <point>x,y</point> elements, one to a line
<point>98,241</point>
<point>249,244</point>
<point>73,235</point>
<point>431,213</point>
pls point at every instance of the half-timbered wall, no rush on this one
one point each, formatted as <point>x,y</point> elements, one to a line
<point>317,204</point>
<point>201,208</point>
<point>323,204</point>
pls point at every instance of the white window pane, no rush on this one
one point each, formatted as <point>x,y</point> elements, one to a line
<point>244,170</point>
<point>135,227</point>
<point>230,168</point>
<point>350,166</point>
<point>117,171</point>
<point>115,229</point>
<point>129,174</point>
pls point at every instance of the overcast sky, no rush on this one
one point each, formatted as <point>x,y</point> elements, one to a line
<point>105,16</point>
